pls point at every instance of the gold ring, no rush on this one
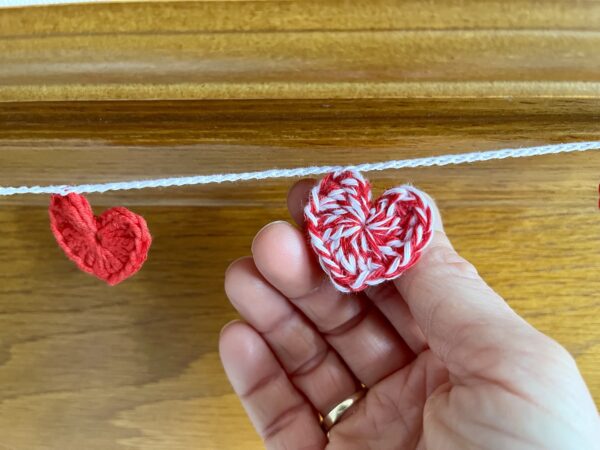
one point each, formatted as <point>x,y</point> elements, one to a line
<point>338,411</point>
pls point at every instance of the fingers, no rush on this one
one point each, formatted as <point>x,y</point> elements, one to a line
<point>359,333</point>
<point>297,198</point>
<point>446,304</point>
<point>279,413</point>
<point>311,364</point>
<point>385,296</point>
<point>388,300</point>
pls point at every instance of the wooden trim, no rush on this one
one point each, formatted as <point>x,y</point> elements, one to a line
<point>294,49</point>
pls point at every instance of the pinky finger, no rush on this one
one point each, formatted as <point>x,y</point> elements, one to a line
<point>280,414</point>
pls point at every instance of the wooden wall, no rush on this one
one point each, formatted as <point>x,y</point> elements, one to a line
<point>94,93</point>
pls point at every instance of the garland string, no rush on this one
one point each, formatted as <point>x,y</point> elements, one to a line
<point>441,160</point>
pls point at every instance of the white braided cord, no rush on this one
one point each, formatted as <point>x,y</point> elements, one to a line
<point>441,160</point>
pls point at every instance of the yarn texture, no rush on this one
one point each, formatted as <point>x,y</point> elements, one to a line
<point>112,246</point>
<point>361,243</point>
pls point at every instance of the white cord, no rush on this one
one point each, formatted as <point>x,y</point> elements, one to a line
<point>441,160</point>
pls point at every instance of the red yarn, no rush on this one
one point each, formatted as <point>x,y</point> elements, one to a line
<point>112,246</point>
<point>361,243</point>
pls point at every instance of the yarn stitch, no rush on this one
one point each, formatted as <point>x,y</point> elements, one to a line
<point>360,243</point>
<point>112,246</point>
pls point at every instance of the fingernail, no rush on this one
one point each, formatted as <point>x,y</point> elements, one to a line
<point>227,325</point>
<point>264,228</point>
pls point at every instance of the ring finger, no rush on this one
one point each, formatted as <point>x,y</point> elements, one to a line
<point>310,363</point>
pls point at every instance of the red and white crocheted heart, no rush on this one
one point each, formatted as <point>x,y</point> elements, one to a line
<point>361,243</point>
<point>112,246</point>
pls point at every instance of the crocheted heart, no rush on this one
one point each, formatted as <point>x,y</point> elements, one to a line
<point>112,246</point>
<point>361,243</point>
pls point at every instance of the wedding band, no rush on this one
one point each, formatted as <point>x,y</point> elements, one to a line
<point>338,411</point>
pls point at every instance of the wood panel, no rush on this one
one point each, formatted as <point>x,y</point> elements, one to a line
<point>300,49</point>
<point>88,142</point>
<point>84,365</point>
<point>226,86</point>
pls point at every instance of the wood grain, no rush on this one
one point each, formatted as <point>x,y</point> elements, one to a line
<point>136,366</point>
<point>248,85</point>
<point>301,49</point>
<point>66,143</point>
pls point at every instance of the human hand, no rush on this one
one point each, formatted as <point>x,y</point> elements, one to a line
<point>447,363</point>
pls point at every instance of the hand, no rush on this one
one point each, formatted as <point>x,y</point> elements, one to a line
<point>447,363</point>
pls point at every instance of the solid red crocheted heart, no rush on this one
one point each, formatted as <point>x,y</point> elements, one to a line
<point>112,246</point>
<point>361,243</point>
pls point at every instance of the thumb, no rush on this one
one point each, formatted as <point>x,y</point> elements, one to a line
<point>482,340</point>
<point>466,324</point>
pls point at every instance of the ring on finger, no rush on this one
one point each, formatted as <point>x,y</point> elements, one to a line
<point>336,413</point>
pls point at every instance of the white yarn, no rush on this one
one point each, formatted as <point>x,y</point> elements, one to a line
<point>441,160</point>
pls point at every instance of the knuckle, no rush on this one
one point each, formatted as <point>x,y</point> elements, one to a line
<point>446,259</point>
